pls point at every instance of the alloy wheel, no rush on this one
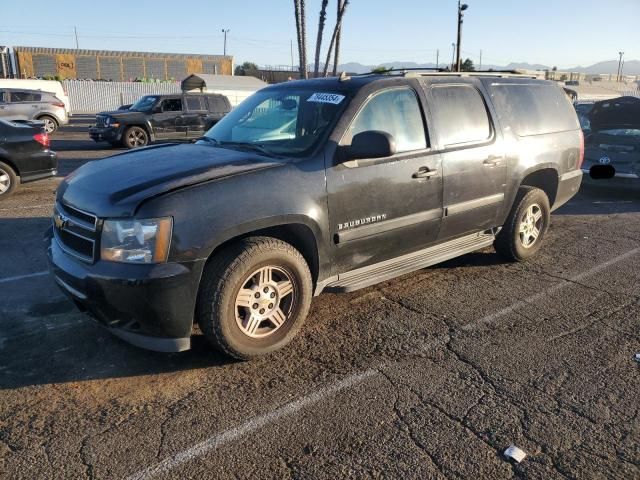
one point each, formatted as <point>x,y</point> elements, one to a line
<point>136,138</point>
<point>265,301</point>
<point>5,181</point>
<point>49,125</point>
<point>531,225</point>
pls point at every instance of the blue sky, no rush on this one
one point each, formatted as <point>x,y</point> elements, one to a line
<point>565,33</point>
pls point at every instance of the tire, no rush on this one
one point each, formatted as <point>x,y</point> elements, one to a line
<point>50,124</point>
<point>522,234</point>
<point>135,137</point>
<point>240,308</point>
<point>9,181</point>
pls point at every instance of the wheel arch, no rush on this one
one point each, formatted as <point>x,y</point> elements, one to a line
<point>545,178</point>
<point>296,230</point>
<point>5,160</point>
<point>50,115</point>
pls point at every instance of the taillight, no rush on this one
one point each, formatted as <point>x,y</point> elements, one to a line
<point>58,104</point>
<point>581,154</point>
<point>42,139</point>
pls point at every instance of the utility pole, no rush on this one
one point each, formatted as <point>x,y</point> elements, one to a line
<point>75,31</point>
<point>619,66</point>
<point>480,66</point>
<point>461,8</point>
<point>438,58</point>
<point>453,57</point>
<point>225,41</point>
<point>291,55</point>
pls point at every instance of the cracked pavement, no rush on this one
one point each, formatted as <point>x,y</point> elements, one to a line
<point>463,360</point>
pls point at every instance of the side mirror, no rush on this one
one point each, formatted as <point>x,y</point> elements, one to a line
<point>372,144</point>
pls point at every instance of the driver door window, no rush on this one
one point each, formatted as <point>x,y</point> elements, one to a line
<point>396,112</point>
<point>172,105</point>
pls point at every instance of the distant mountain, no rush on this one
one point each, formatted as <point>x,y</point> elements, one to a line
<point>631,67</point>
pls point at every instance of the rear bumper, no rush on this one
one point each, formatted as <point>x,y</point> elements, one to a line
<point>150,306</point>
<point>568,185</point>
<point>47,162</point>
<point>619,180</point>
<point>105,134</point>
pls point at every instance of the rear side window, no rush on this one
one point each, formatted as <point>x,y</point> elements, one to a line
<point>396,112</point>
<point>195,104</point>
<point>217,105</point>
<point>25,97</point>
<point>460,115</point>
<point>533,109</point>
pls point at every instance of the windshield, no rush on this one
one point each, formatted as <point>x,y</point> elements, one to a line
<point>280,123</point>
<point>144,104</point>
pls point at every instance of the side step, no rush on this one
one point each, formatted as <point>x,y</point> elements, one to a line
<point>380,272</point>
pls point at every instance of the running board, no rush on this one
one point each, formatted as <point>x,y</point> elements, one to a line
<point>380,272</point>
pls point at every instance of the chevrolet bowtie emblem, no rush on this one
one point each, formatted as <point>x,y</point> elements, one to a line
<point>60,220</point>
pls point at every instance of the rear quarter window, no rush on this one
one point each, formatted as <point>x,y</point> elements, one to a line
<point>533,109</point>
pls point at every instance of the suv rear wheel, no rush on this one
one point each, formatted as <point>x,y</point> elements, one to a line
<point>50,123</point>
<point>254,297</point>
<point>522,234</point>
<point>8,181</point>
<point>135,137</point>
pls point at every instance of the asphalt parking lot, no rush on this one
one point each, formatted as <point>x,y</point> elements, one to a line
<point>432,375</point>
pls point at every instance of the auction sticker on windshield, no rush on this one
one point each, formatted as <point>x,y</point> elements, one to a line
<point>326,98</point>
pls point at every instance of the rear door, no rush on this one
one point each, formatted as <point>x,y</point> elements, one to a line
<point>22,105</point>
<point>169,121</point>
<point>473,160</point>
<point>384,207</point>
<point>194,114</point>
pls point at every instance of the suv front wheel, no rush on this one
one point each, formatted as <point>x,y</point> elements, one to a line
<point>522,234</point>
<point>254,297</point>
<point>135,137</point>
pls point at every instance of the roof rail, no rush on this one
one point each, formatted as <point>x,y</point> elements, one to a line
<point>475,73</point>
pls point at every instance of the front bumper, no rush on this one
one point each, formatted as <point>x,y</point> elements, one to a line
<point>105,134</point>
<point>150,306</point>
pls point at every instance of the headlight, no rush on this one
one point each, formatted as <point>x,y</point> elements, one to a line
<point>136,241</point>
<point>111,122</point>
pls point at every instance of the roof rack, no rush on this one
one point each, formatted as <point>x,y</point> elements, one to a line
<point>420,72</point>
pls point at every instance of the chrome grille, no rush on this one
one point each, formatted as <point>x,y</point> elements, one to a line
<point>75,231</point>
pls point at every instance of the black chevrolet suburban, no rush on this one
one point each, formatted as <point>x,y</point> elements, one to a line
<point>318,185</point>
<point>160,117</point>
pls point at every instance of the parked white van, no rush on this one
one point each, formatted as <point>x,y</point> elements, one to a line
<point>52,86</point>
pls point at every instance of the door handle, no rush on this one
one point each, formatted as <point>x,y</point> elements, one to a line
<point>424,172</point>
<point>492,161</point>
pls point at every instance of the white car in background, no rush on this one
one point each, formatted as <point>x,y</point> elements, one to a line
<point>52,86</point>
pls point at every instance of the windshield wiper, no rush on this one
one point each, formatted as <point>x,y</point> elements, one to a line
<point>207,139</point>
<point>256,147</point>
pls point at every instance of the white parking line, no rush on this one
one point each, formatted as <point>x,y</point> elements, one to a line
<point>22,277</point>
<point>251,425</point>
<point>290,408</point>
<point>558,286</point>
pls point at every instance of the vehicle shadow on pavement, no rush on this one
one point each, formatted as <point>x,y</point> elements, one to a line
<point>88,352</point>
<point>601,200</point>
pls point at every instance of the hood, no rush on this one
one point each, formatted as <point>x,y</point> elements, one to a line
<point>115,186</point>
<point>617,113</point>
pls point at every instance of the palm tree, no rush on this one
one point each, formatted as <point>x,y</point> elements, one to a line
<point>296,7</point>
<point>336,58</point>
<point>343,8</point>
<point>321,21</point>
<point>303,30</point>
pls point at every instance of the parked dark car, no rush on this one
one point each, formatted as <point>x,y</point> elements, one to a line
<point>330,184</point>
<point>24,155</point>
<point>160,117</point>
<point>612,148</point>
